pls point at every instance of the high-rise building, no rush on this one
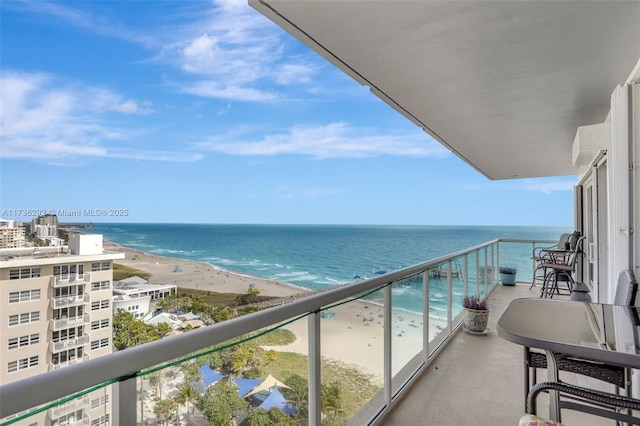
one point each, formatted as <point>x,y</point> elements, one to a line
<point>56,310</point>
<point>45,226</point>
<point>12,237</point>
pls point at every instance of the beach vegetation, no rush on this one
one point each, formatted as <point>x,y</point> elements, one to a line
<point>186,395</point>
<point>121,272</point>
<point>128,331</point>
<point>260,417</point>
<point>166,410</point>
<point>221,403</point>
<point>279,337</point>
<point>332,400</point>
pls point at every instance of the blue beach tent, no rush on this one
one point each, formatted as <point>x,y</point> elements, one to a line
<point>209,376</point>
<point>275,399</point>
<point>246,385</point>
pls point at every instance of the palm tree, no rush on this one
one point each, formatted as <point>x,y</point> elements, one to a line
<point>269,357</point>
<point>165,410</point>
<point>155,381</point>
<point>332,399</point>
<point>191,372</point>
<point>243,357</point>
<point>186,394</point>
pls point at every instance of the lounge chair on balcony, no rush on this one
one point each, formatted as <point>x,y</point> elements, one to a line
<point>625,295</point>
<point>539,256</point>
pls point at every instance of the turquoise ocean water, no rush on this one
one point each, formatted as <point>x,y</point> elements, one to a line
<point>321,256</point>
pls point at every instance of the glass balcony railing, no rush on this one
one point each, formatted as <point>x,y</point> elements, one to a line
<point>71,279</point>
<point>67,363</point>
<point>70,343</point>
<point>70,300</point>
<point>344,354</point>
<point>61,323</point>
<point>70,406</point>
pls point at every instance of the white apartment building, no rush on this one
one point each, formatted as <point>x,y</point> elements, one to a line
<point>45,226</point>
<point>56,311</point>
<point>12,237</point>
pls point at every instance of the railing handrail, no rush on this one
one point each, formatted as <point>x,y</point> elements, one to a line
<point>19,396</point>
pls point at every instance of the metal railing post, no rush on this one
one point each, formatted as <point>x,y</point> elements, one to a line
<point>425,309</point>
<point>466,275</point>
<point>388,346</point>
<point>449,296</point>
<point>125,402</point>
<point>315,379</point>
<point>477,272</point>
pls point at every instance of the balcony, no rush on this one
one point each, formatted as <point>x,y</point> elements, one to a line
<point>68,363</point>
<point>484,372</point>
<point>70,300</point>
<point>71,279</point>
<point>59,324</point>
<point>68,344</point>
<point>70,406</point>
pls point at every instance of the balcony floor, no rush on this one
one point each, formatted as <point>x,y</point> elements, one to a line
<point>478,380</point>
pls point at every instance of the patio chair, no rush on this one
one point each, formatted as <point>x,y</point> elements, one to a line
<point>626,290</point>
<point>560,265</point>
<point>539,256</point>
<point>598,403</point>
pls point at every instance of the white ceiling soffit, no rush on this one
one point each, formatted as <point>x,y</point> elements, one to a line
<point>504,84</point>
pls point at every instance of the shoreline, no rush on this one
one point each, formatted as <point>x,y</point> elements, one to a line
<point>352,333</point>
<point>199,275</point>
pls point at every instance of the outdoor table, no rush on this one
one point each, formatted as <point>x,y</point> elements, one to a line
<point>591,331</point>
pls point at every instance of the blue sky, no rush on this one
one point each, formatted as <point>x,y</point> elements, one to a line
<point>207,112</point>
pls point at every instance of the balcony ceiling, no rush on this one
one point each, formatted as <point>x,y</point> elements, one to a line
<point>503,84</point>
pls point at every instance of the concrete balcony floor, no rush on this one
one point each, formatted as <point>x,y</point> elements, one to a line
<point>478,380</point>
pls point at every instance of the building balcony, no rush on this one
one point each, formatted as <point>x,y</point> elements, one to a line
<point>68,344</point>
<point>71,279</point>
<point>62,323</point>
<point>434,364</point>
<point>68,363</point>
<point>81,403</point>
<point>71,300</point>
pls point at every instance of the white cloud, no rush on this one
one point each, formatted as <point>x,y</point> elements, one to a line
<point>234,53</point>
<point>44,119</point>
<point>92,22</point>
<point>335,140</point>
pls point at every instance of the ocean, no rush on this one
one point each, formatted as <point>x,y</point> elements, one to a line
<point>321,256</point>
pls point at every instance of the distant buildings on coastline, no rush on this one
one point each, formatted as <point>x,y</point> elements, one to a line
<point>57,311</point>
<point>57,303</point>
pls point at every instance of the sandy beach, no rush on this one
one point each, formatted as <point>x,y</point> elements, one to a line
<point>351,333</point>
<point>199,275</point>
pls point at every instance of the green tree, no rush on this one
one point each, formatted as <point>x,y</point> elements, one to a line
<point>186,395</point>
<point>155,381</point>
<point>258,417</point>
<point>298,395</point>
<point>275,416</point>
<point>165,410</point>
<point>332,401</point>
<point>221,403</point>
<point>190,371</point>
<point>164,328</point>
<point>128,331</point>
<point>244,358</point>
